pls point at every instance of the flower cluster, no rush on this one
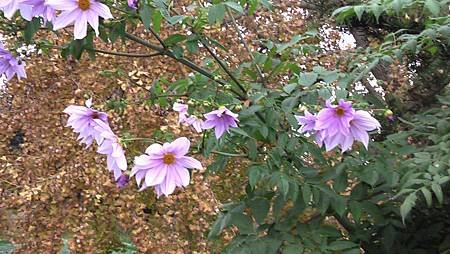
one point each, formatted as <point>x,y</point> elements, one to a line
<point>163,167</point>
<point>10,65</point>
<point>78,13</point>
<point>221,120</point>
<point>92,125</point>
<point>338,125</point>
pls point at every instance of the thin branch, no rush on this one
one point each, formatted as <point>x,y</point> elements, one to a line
<point>115,53</point>
<point>224,67</point>
<point>229,154</point>
<point>184,61</point>
<point>126,53</point>
<point>241,38</point>
<point>161,41</point>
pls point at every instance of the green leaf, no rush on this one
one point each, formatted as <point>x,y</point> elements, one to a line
<point>307,79</point>
<point>156,20</point>
<point>145,15</point>
<point>289,88</point>
<point>339,205</point>
<point>222,221</point>
<point>250,110</point>
<point>177,51</point>
<point>216,14</point>
<point>283,185</point>
<point>192,46</point>
<point>31,28</point>
<point>267,4</point>
<point>235,6</point>
<point>325,93</point>
<point>427,195</point>
<point>356,210</point>
<point>376,10</point>
<point>342,245</point>
<point>6,247</point>
<point>294,248</point>
<point>438,192</point>
<point>370,176</point>
<point>433,6</point>
<point>359,10</point>
<point>175,19</point>
<point>289,103</point>
<point>292,42</point>
<point>240,132</point>
<point>397,6</point>
<point>260,208</point>
<point>243,223</point>
<point>255,173</point>
<point>174,39</point>
<point>408,204</point>
<point>306,193</point>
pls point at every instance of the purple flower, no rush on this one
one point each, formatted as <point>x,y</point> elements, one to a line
<point>9,8</point>
<point>79,13</point>
<point>362,123</point>
<point>307,122</point>
<point>111,147</point>
<point>335,119</point>
<point>165,166</point>
<point>133,4</point>
<point>40,8</point>
<point>195,122</point>
<point>83,121</point>
<point>122,181</point>
<point>221,120</point>
<point>10,66</point>
<point>182,111</point>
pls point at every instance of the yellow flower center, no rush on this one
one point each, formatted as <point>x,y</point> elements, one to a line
<point>84,4</point>
<point>168,158</point>
<point>340,111</point>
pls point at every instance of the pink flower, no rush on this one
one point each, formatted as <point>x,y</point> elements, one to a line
<point>339,126</point>
<point>195,122</point>
<point>79,13</point>
<point>221,120</point>
<point>362,123</point>
<point>10,65</point>
<point>307,122</point>
<point>83,121</point>
<point>335,119</point>
<point>40,8</point>
<point>165,166</point>
<point>111,147</point>
<point>182,111</point>
<point>10,7</point>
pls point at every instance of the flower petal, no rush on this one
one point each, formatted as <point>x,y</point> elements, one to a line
<point>179,147</point>
<point>189,162</point>
<point>156,175</point>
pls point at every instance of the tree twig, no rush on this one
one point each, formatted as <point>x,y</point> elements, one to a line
<point>224,67</point>
<point>242,39</point>
<point>184,61</point>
